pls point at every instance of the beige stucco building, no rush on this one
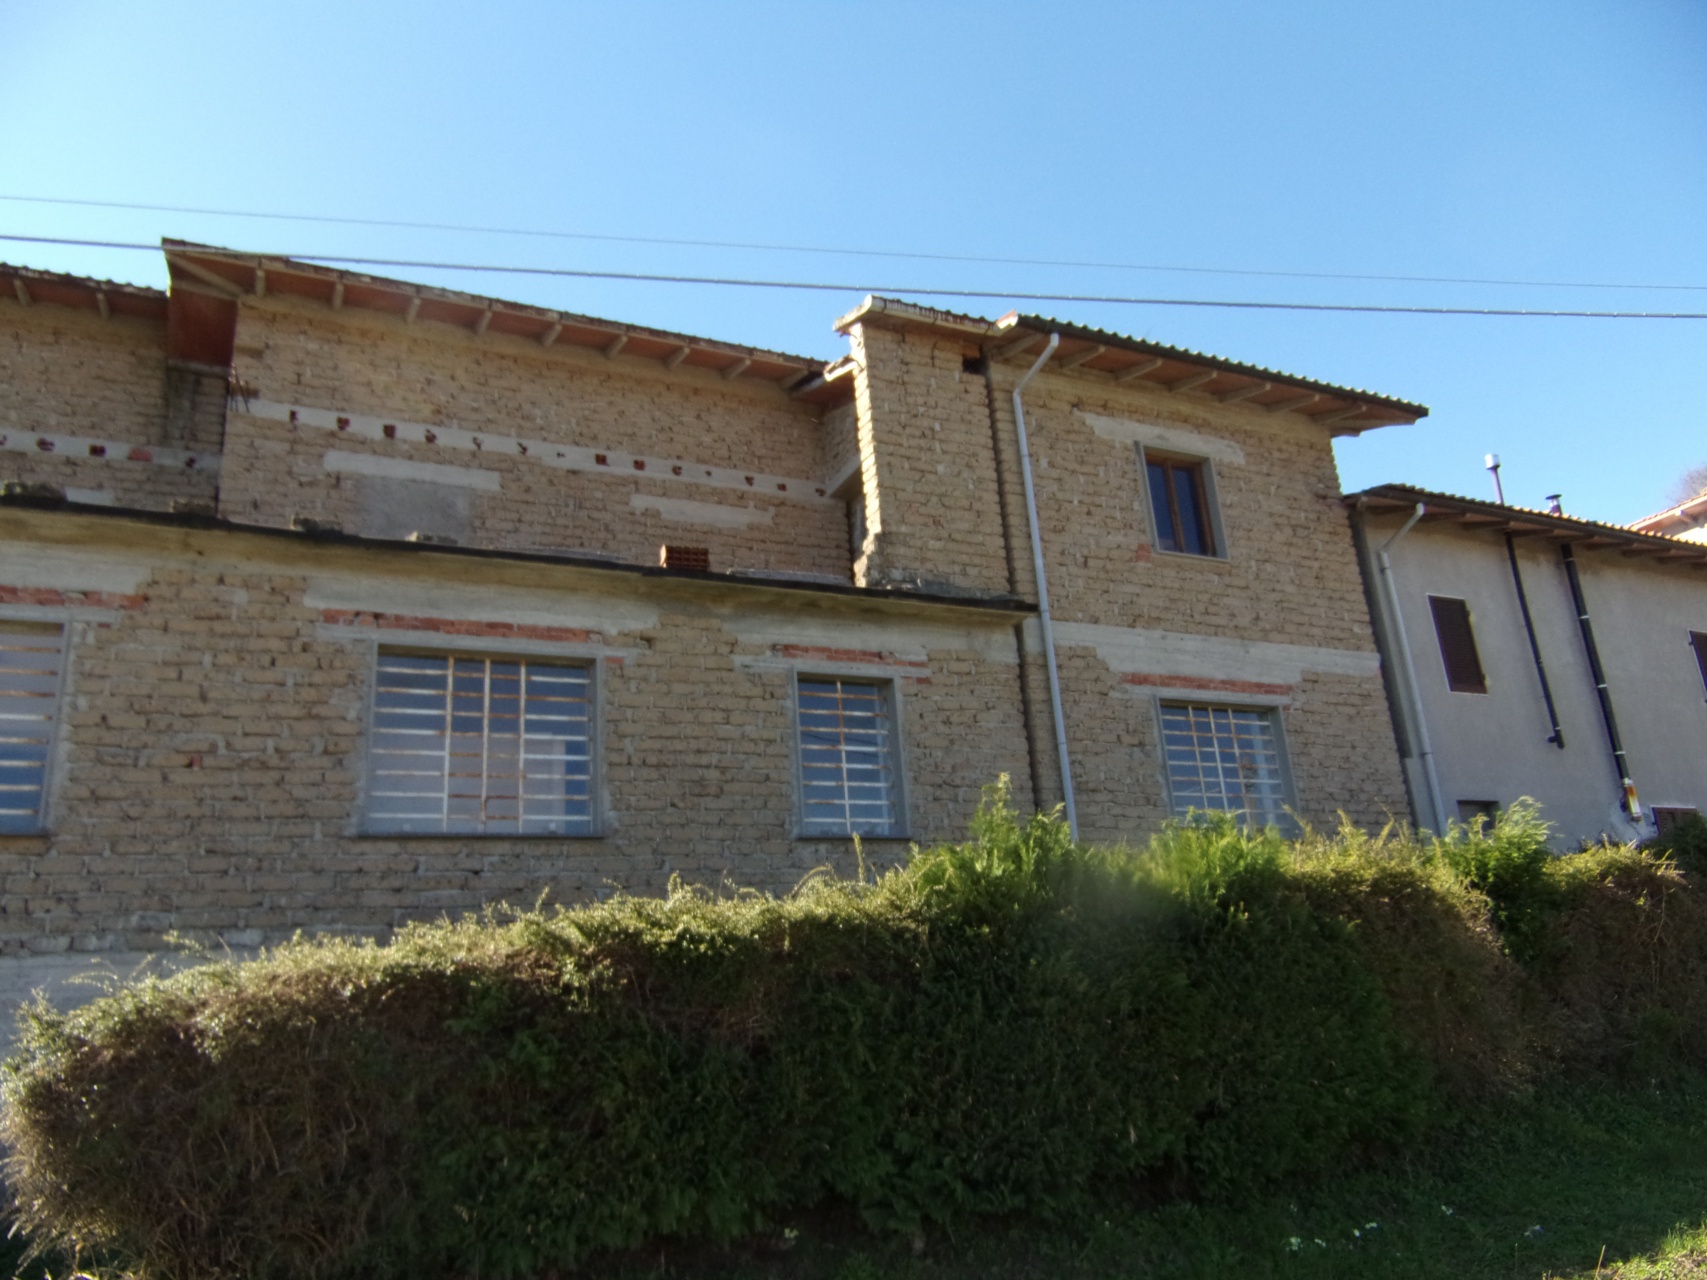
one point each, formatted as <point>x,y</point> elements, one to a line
<point>329,602</point>
<point>1533,654</point>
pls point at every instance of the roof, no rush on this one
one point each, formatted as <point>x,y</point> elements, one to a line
<point>232,273</point>
<point>1687,516</point>
<point>1119,358</point>
<point>108,297</point>
<point>1524,522</point>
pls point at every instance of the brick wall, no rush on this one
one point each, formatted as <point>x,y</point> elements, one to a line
<point>215,712</point>
<point>83,407</point>
<point>929,464</point>
<point>496,442</point>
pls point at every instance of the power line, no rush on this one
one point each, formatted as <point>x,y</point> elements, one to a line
<point>893,289</point>
<point>759,246</point>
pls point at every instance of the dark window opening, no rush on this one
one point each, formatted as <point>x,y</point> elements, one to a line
<point>1478,812</point>
<point>1699,640</point>
<point>1667,817</point>
<point>1179,499</point>
<point>1457,645</point>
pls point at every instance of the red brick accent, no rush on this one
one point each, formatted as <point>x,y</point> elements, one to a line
<point>85,599</point>
<point>1209,685</point>
<point>455,626</point>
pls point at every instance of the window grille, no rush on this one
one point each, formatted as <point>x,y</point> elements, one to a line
<point>486,746</point>
<point>847,758</point>
<point>1225,759</point>
<point>31,659</point>
<point>1457,645</point>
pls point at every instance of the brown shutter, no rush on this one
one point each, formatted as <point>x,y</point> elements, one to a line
<point>1457,645</point>
<point>1699,640</point>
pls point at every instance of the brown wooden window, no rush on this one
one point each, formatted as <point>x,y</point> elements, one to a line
<point>1457,645</point>
<point>1179,501</point>
<point>1699,640</point>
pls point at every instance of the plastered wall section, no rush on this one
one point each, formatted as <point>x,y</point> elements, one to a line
<point>210,755</point>
<point>385,428</point>
<point>88,405</point>
<point>928,466</point>
<point>1495,746</point>
<point>1279,621</point>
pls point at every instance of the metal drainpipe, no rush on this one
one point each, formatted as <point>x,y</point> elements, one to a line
<point>1424,751</point>
<point>1620,763</point>
<point>1044,620</point>
<point>1558,738</point>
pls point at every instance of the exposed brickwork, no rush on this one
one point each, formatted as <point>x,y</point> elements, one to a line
<point>213,774</point>
<point>355,364</point>
<point>928,464</point>
<point>86,398</point>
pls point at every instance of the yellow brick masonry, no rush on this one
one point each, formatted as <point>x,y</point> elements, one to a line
<point>299,353</point>
<point>1289,576</point>
<point>70,380</point>
<point>213,735</point>
<point>929,466</point>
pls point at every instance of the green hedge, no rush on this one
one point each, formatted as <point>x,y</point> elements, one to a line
<point>1012,1024</point>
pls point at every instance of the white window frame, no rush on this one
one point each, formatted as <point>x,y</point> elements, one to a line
<point>50,737</point>
<point>1288,797</point>
<point>1211,498</point>
<point>376,824</point>
<point>809,828</point>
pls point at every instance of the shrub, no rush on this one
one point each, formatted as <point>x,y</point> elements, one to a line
<point>1013,1023</point>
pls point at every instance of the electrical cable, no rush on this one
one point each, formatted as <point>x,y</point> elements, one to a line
<point>840,252</point>
<point>886,289</point>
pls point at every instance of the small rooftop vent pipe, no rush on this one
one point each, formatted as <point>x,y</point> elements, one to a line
<point>1553,507</point>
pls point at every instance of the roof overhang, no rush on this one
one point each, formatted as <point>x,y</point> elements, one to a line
<point>1520,522</point>
<point>1116,358</point>
<point>229,275</point>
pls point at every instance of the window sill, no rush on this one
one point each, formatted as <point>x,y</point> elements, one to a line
<point>1192,556</point>
<point>848,837</point>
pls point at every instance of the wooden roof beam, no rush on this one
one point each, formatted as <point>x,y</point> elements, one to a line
<point>614,347</point>
<point>1245,393</point>
<point>1195,380</point>
<point>1293,402</point>
<point>1019,346</point>
<point>1337,415</point>
<point>1140,369</point>
<point>675,358</point>
<point>1081,357</point>
<point>738,368</point>
<point>212,279</point>
<point>22,290</point>
<point>337,295</point>
<point>551,332</point>
<point>413,310</point>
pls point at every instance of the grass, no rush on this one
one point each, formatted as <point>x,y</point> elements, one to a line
<point>1570,1182</point>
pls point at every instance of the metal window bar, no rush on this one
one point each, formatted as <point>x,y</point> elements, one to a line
<point>1224,759</point>
<point>480,745</point>
<point>32,658</point>
<point>847,769</point>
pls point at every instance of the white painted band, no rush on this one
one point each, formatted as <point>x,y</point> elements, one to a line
<point>369,464</point>
<point>1170,439</point>
<point>715,515</point>
<point>565,457</point>
<point>1130,651</point>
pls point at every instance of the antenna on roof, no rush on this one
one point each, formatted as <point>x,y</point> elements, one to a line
<point>1492,463</point>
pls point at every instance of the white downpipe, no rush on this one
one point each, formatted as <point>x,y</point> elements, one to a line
<point>1043,617</point>
<point>1424,751</point>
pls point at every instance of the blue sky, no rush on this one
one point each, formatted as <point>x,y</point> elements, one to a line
<point>1562,141</point>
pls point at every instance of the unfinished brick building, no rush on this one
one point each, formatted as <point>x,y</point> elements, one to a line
<point>327,601</point>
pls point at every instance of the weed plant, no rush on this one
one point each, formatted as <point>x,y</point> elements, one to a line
<point>1013,1025</point>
